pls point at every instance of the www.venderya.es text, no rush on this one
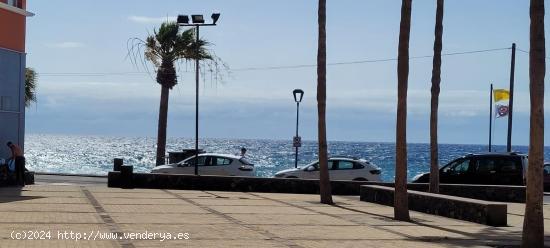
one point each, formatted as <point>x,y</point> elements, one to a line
<point>96,235</point>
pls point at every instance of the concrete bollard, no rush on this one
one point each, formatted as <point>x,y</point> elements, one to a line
<point>117,163</point>
<point>126,176</point>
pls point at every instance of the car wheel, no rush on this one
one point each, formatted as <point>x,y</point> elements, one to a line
<point>292,177</point>
<point>360,179</point>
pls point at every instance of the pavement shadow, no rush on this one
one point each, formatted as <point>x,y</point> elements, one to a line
<point>489,236</point>
<point>14,193</point>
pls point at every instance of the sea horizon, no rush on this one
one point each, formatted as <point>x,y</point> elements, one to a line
<point>264,138</point>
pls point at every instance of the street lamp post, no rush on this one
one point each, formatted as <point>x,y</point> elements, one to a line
<point>297,141</point>
<point>197,21</point>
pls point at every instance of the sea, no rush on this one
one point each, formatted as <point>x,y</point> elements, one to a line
<point>93,155</point>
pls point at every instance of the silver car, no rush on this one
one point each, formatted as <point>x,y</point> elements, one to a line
<point>210,164</point>
<point>340,168</point>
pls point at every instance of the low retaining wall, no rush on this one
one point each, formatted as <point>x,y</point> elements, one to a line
<point>300,186</point>
<point>29,177</point>
<point>226,183</point>
<point>500,193</point>
<point>484,212</point>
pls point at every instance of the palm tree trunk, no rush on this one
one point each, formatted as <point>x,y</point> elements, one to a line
<point>533,225</point>
<point>436,81</point>
<point>401,204</point>
<point>324,180</point>
<point>163,120</point>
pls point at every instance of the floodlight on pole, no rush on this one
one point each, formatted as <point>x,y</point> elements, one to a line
<point>183,19</point>
<point>197,21</point>
<point>215,17</point>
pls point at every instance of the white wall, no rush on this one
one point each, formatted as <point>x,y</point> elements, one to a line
<point>12,99</point>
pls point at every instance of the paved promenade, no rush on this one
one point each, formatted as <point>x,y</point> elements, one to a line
<point>225,219</point>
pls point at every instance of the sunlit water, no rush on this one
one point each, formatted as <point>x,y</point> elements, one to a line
<point>94,154</point>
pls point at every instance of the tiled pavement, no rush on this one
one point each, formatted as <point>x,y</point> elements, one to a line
<point>228,219</point>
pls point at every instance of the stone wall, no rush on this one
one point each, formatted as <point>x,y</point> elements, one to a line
<point>483,212</point>
<point>301,186</point>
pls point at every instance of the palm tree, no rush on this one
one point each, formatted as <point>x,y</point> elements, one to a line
<point>401,204</point>
<point>436,81</point>
<point>533,225</point>
<point>30,86</point>
<point>163,49</point>
<point>324,180</point>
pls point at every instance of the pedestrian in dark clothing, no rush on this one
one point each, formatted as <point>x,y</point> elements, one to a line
<point>17,156</point>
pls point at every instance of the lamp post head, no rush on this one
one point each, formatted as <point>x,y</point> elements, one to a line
<point>298,94</point>
<point>183,19</point>
<point>215,18</point>
<point>197,19</point>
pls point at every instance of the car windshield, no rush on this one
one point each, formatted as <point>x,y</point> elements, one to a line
<point>307,165</point>
<point>245,161</point>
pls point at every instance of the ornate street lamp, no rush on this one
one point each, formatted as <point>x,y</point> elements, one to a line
<point>297,141</point>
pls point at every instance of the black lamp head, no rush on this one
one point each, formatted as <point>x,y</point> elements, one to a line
<point>298,94</point>
<point>197,18</point>
<point>183,19</point>
<point>215,17</point>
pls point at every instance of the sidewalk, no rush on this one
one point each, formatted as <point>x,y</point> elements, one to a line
<point>229,219</point>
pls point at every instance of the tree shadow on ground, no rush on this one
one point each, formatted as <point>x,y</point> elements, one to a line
<point>488,236</point>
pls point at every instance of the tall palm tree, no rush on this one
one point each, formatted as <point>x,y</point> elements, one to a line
<point>401,204</point>
<point>436,81</point>
<point>533,225</point>
<point>324,180</point>
<point>30,86</point>
<point>163,49</point>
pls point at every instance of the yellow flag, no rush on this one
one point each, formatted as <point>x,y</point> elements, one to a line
<point>501,94</point>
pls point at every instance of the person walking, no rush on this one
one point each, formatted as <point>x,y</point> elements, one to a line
<point>17,156</point>
<point>243,152</point>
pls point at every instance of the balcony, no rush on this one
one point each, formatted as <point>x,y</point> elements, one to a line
<point>15,6</point>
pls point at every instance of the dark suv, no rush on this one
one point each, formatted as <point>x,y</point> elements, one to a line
<point>487,168</point>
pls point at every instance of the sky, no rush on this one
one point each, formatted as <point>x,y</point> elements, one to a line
<point>87,84</point>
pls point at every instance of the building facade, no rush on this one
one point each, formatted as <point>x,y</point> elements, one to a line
<point>12,73</point>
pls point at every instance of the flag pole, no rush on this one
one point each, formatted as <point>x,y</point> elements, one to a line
<point>511,103</point>
<point>490,115</point>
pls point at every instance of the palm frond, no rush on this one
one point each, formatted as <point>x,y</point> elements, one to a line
<point>166,46</point>
<point>30,86</point>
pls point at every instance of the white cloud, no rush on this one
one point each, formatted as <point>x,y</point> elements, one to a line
<point>150,20</point>
<point>66,44</point>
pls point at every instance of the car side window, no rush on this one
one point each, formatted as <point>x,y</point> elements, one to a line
<point>202,161</point>
<point>220,161</point>
<point>316,166</point>
<point>345,165</point>
<point>331,165</point>
<point>358,166</point>
<point>485,166</point>
<point>547,169</point>
<point>508,166</point>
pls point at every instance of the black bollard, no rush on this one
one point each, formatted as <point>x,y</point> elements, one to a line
<point>117,163</point>
<point>126,176</point>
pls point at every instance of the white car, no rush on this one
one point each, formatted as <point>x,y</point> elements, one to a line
<point>340,168</point>
<point>210,164</point>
